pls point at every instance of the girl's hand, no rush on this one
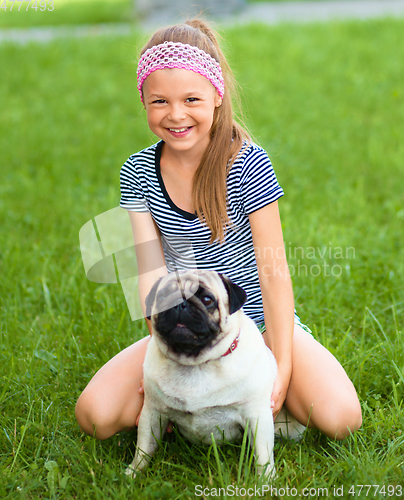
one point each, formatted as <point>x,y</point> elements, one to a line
<point>279,392</point>
<point>141,391</point>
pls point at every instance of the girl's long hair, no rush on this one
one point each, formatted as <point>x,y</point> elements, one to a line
<point>209,190</point>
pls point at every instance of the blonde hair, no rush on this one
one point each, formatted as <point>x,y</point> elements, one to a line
<point>209,190</point>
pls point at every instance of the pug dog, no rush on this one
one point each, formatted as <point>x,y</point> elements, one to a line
<point>207,369</point>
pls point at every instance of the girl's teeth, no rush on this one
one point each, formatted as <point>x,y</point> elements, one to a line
<point>178,129</point>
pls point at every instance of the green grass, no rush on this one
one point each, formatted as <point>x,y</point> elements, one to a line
<point>326,101</point>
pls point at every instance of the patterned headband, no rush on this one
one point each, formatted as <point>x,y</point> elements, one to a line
<point>182,56</point>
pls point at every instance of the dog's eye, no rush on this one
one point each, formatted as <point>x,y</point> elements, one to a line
<point>207,300</point>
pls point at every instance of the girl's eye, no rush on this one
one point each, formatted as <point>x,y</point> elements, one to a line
<point>192,99</point>
<point>159,101</point>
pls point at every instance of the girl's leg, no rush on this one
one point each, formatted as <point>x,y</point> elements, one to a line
<point>111,401</point>
<point>320,391</point>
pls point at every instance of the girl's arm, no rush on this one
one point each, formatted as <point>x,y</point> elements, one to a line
<point>149,254</point>
<point>277,294</point>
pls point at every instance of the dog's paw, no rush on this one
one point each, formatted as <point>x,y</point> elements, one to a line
<point>288,427</point>
<point>130,472</point>
<point>267,472</point>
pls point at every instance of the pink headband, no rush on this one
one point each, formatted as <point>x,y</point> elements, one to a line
<point>182,56</point>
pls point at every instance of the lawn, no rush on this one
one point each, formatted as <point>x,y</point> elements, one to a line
<point>326,101</point>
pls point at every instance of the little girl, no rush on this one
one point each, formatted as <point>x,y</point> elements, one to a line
<point>207,182</point>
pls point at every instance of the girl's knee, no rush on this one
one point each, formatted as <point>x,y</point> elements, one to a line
<point>111,401</point>
<point>84,415</point>
<point>100,415</point>
<point>92,418</point>
<point>353,420</point>
<point>343,420</point>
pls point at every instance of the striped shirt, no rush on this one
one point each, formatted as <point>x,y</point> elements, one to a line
<point>251,185</point>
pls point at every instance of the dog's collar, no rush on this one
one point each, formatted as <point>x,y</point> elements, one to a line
<point>233,345</point>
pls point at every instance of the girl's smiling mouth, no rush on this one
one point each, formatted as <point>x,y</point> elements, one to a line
<point>179,132</point>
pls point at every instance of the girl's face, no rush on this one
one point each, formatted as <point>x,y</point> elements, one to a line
<point>180,105</point>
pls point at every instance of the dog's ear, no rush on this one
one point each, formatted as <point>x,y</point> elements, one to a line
<point>150,298</point>
<point>237,296</point>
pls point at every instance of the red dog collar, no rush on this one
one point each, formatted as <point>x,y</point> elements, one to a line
<point>233,345</point>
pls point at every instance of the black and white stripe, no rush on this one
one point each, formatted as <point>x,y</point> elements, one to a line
<point>251,185</point>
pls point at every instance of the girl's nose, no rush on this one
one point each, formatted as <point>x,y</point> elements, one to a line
<point>176,113</point>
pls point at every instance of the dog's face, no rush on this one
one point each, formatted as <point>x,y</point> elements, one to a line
<point>191,312</point>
